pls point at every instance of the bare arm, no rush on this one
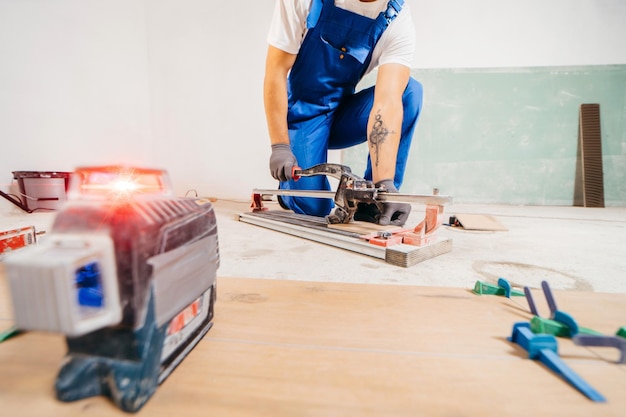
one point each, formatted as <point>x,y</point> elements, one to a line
<point>277,66</point>
<point>385,122</point>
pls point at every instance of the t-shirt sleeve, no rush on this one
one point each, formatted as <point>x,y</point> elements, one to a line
<point>288,24</point>
<point>398,42</point>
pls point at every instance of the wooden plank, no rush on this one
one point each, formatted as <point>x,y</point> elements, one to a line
<point>363,228</point>
<point>480,222</point>
<point>590,143</point>
<point>293,348</point>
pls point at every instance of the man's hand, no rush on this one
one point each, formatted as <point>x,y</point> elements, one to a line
<point>392,213</point>
<point>282,162</point>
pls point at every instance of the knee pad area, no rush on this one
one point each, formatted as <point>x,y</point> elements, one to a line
<point>319,207</point>
<point>307,205</point>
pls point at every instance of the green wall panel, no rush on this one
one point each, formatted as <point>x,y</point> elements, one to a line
<point>510,136</point>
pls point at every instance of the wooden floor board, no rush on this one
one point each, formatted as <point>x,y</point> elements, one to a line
<point>297,348</point>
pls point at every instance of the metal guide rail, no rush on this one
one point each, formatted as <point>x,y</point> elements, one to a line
<point>438,200</point>
<point>302,226</point>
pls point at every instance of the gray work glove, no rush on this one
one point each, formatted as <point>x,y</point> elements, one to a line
<point>391,213</point>
<point>282,162</point>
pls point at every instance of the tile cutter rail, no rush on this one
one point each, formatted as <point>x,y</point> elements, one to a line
<point>403,247</point>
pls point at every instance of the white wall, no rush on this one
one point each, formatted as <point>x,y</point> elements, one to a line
<point>206,74</point>
<point>74,85</point>
<point>519,33</point>
<point>178,84</point>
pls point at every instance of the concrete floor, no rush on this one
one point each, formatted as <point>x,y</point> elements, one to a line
<point>573,248</point>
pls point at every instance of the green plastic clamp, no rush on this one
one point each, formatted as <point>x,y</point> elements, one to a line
<point>484,288</point>
<point>9,333</point>
<point>621,332</point>
<point>541,325</point>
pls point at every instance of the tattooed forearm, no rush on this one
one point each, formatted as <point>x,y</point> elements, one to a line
<point>377,136</point>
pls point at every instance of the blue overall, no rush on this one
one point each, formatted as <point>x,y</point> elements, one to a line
<point>324,111</point>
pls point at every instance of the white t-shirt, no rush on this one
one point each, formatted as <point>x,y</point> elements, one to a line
<point>396,45</point>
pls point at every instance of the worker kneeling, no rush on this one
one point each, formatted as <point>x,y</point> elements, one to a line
<point>318,52</point>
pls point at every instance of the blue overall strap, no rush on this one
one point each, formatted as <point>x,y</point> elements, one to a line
<point>314,13</point>
<point>393,8</point>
